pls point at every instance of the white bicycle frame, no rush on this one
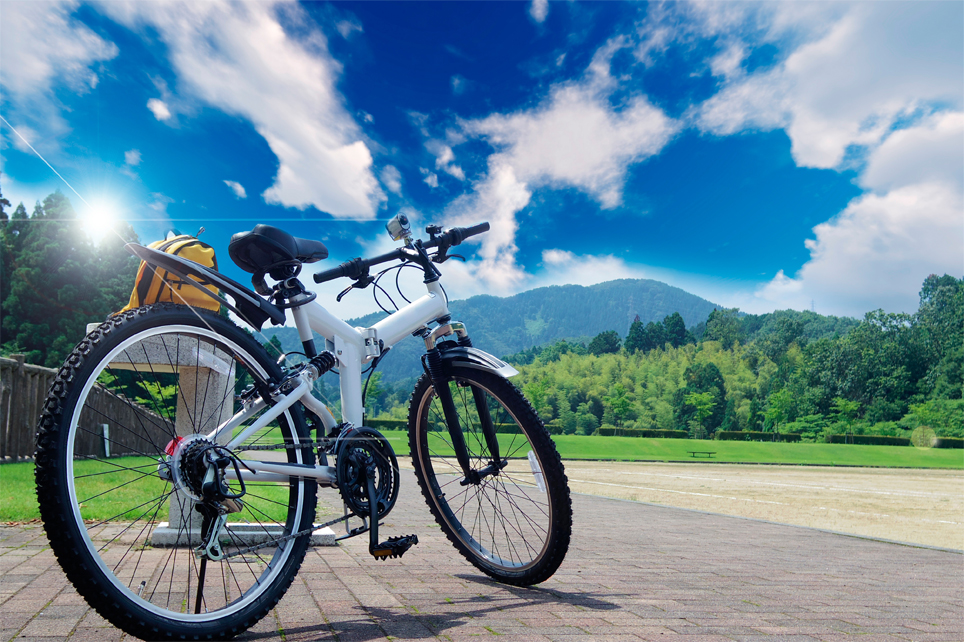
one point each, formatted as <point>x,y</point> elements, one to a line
<point>353,348</point>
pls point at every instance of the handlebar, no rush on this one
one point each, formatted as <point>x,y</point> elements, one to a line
<point>456,235</point>
<point>356,268</point>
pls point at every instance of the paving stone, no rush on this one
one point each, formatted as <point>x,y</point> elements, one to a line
<point>757,581</point>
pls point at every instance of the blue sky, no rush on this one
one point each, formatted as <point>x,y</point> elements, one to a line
<point>764,156</point>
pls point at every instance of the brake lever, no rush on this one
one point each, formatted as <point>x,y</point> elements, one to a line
<point>363,282</point>
<point>442,257</point>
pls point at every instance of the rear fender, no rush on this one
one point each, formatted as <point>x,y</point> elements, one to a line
<point>250,307</point>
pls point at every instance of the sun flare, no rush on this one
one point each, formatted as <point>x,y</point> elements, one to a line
<point>100,218</point>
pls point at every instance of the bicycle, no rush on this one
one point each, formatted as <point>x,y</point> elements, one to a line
<point>169,406</point>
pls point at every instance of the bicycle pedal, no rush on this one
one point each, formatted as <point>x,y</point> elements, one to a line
<point>394,546</point>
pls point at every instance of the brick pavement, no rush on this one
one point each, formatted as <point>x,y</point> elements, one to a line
<point>634,572</point>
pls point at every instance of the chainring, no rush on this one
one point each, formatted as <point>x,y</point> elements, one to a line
<point>363,450</point>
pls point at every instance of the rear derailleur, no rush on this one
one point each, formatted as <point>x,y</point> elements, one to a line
<point>367,475</point>
<point>201,469</point>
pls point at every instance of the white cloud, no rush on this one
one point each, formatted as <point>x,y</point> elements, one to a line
<point>877,252</point>
<point>539,9</point>
<point>847,84</point>
<point>563,266</point>
<point>575,138</point>
<point>728,62</point>
<point>132,157</point>
<point>845,77</point>
<point>496,200</point>
<point>43,44</point>
<point>238,58</point>
<point>557,257</point>
<point>160,202</point>
<point>237,188</point>
<point>431,178</point>
<point>159,108</point>
<point>459,85</point>
<point>930,151</point>
<point>347,28</point>
<point>392,179</point>
<point>42,47</point>
<point>443,159</point>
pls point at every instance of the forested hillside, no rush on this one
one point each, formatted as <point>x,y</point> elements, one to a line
<point>785,372</point>
<point>507,325</point>
<point>54,280</point>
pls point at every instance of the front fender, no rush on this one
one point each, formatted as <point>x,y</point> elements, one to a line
<point>474,358</point>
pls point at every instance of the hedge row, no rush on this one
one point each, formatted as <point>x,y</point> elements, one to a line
<point>649,434</point>
<point>401,424</point>
<point>870,440</point>
<point>949,442</point>
<point>749,435</point>
<point>387,424</point>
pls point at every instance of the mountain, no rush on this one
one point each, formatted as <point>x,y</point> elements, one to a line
<point>506,325</point>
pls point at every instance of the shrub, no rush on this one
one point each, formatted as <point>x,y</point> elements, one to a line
<point>395,424</point>
<point>869,440</point>
<point>748,435</point>
<point>609,431</point>
<point>949,442</point>
<point>387,424</point>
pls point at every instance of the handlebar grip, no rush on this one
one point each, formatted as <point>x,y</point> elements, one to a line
<point>333,273</point>
<point>459,234</point>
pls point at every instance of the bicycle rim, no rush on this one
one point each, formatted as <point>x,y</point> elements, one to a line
<point>151,388</point>
<point>506,520</point>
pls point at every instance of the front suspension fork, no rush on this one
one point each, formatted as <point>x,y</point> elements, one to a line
<point>444,394</point>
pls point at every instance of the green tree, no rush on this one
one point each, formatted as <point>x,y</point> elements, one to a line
<point>779,409</point>
<point>701,377</point>
<point>586,421</point>
<point>846,411</point>
<point>618,403</point>
<point>58,281</point>
<point>703,404</point>
<point>273,347</point>
<point>730,420</point>
<point>373,394</point>
<point>568,420</point>
<point>755,416</point>
<point>724,326</point>
<point>634,340</point>
<point>940,319</point>
<point>674,330</point>
<point>605,343</point>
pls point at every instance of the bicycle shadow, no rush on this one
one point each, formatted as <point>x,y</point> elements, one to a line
<point>377,622</point>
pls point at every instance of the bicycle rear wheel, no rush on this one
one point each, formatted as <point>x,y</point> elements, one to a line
<point>146,384</point>
<point>514,525</point>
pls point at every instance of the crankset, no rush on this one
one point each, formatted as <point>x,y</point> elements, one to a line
<point>367,475</point>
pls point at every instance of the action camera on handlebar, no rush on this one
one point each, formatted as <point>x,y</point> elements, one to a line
<point>400,229</point>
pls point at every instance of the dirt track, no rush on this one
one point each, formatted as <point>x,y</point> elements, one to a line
<point>919,506</point>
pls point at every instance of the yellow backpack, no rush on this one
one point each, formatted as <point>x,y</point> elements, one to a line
<point>156,285</point>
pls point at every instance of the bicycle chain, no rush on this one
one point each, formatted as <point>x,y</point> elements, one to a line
<point>306,531</point>
<point>305,446</point>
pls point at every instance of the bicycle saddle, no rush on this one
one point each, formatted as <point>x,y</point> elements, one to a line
<point>265,247</point>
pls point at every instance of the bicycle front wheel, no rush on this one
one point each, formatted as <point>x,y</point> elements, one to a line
<point>514,525</point>
<point>118,484</point>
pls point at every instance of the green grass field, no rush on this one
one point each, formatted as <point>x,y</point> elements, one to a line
<point>747,452</point>
<point>18,500</point>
